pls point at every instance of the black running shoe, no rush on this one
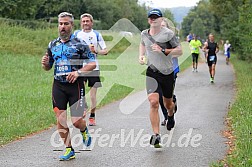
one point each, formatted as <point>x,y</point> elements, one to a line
<point>155,140</point>
<point>171,122</point>
<point>175,103</point>
<point>163,123</point>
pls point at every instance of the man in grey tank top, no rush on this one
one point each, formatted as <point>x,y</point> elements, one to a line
<point>157,44</point>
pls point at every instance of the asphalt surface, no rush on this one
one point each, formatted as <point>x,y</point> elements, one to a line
<point>123,139</point>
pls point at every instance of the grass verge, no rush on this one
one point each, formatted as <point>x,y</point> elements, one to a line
<point>239,118</point>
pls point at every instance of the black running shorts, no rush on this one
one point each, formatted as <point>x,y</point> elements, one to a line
<point>211,60</point>
<point>156,80</point>
<point>93,79</point>
<point>72,93</point>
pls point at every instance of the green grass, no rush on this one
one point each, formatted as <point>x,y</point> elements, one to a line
<point>241,117</point>
<point>24,97</point>
<point>25,89</point>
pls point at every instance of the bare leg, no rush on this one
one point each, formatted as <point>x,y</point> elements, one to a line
<point>213,70</point>
<point>168,102</point>
<point>62,127</point>
<point>210,71</point>
<point>154,116</point>
<point>93,92</point>
<point>79,123</point>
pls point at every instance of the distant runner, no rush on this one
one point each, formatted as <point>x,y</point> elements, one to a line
<point>212,49</point>
<point>227,47</point>
<point>195,45</point>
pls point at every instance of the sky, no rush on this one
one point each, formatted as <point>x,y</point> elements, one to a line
<point>169,3</point>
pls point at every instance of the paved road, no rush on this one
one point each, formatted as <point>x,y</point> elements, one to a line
<point>122,139</point>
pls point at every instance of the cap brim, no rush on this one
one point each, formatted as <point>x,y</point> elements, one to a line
<point>154,15</point>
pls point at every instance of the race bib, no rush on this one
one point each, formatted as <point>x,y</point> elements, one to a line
<point>63,68</point>
<point>211,58</point>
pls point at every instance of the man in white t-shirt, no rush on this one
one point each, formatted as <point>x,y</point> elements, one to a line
<point>98,47</point>
<point>227,47</point>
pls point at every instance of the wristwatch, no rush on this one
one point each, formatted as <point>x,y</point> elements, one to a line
<point>79,72</point>
<point>163,50</point>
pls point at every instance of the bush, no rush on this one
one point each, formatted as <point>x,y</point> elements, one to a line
<point>32,24</point>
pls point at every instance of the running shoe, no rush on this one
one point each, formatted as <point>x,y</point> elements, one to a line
<point>92,121</point>
<point>155,140</point>
<point>86,137</point>
<point>212,80</point>
<point>163,123</point>
<point>69,154</point>
<point>171,122</point>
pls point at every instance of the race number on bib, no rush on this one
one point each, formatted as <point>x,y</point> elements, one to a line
<point>63,68</point>
<point>211,58</point>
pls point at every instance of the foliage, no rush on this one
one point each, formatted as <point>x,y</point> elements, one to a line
<point>105,12</point>
<point>228,20</point>
<point>199,20</point>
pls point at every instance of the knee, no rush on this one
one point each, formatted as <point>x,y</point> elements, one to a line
<point>61,119</point>
<point>169,105</point>
<point>77,124</point>
<point>154,103</point>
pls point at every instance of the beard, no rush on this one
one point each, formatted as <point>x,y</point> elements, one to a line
<point>65,35</point>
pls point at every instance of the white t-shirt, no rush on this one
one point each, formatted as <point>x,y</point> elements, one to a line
<point>92,37</point>
<point>226,47</point>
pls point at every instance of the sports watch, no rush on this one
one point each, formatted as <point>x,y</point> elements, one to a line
<point>163,50</point>
<point>79,72</point>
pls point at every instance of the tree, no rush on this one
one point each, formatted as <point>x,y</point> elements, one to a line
<point>245,32</point>
<point>197,28</point>
<point>187,22</point>
<point>19,9</point>
<point>235,24</point>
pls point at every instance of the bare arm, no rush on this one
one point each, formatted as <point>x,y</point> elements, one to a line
<point>141,57</point>
<point>205,46</point>
<point>217,49</point>
<point>102,52</point>
<point>72,77</point>
<point>175,52</point>
<point>205,49</point>
<point>88,67</point>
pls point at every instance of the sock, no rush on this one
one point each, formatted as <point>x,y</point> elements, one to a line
<point>83,130</point>
<point>71,148</point>
<point>92,115</point>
